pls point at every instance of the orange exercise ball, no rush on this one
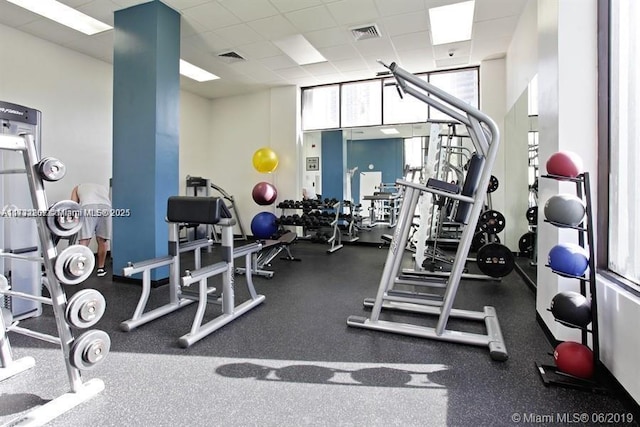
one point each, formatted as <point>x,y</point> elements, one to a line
<point>265,160</point>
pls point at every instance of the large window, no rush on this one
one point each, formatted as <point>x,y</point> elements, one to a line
<point>361,104</point>
<point>321,107</point>
<point>462,84</point>
<point>374,102</point>
<point>624,139</point>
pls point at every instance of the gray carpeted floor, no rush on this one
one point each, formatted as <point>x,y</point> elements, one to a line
<point>294,361</point>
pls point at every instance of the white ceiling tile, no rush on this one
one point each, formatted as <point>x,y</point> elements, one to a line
<point>294,73</point>
<point>350,65</point>
<point>494,28</point>
<point>492,9</point>
<point>336,53</point>
<point>320,69</point>
<point>260,49</point>
<point>278,62</point>
<point>452,62</point>
<point>328,37</point>
<point>458,49</point>
<point>358,75</point>
<point>489,48</point>
<point>329,78</point>
<point>311,19</point>
<point>211,15</point>
<point>403,24</point>
<point>100,10</point>
<point>239,34</point>
<point>372,62</point>
<point>189,27</point>
<point>211,42</point>
<point>372,47</point>
<point>353,11</point>
<point>254,70</point>
<point>14,16</point>
<point>274,27</point>
<point>417,61</point>
<point>397,7</point>
<point>129,3</point>
<point>249,10</point>
<point>288,5</point>
<point>411,41</point>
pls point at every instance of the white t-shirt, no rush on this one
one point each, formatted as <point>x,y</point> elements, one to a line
<point>93,194</point>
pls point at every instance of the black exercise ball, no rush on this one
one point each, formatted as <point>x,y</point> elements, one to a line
<point>571,307</point>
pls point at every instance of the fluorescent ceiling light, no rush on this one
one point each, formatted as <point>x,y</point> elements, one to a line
<point>64,15</point>
<point>195,73</point>
<point>452,23</point>
<point>300,50</point>
<point>389,131</point>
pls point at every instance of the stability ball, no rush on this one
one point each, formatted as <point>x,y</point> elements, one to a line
<point>571,307</point>
<point>574,359</point>
<point>264,225</point>
<point>564,163</point>
<point>569,258</point>
<point>264,193</point>
<point>565,209</point>
<point>265,160</point>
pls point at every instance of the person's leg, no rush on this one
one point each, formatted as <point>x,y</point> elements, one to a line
<point>102,251</point>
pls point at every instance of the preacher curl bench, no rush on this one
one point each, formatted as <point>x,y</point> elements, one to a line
<point>200,210</point>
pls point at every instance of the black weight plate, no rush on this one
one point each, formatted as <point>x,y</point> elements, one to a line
<point>527,243</point>
<point>495,260</point>
<point>493,184</point>
<point>492,222</point>
<point>532,215</point>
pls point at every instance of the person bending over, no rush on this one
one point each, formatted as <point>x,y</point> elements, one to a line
<point>96,219</point>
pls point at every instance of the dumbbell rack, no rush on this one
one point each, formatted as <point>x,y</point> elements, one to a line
<point>335,240</point>
<point>71,266</point>
<point>550,374</point>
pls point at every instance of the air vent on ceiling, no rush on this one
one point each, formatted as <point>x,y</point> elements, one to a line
<point>231,56</point>
<point>366,32</point>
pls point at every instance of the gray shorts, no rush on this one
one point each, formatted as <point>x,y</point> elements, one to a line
<point>96,221</point>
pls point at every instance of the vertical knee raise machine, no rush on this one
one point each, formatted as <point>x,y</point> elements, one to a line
<point>196,210</point>
<point>485,137</point>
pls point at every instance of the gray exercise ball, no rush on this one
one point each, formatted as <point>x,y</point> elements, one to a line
<point>565,209</point>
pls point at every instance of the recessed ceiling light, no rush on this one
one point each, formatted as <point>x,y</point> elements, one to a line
<point>452,23</point>
<point>300,50</point>
<point>63,14</point>
<point>195,73</point>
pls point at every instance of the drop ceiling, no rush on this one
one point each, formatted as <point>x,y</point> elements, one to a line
<point>249,27</point>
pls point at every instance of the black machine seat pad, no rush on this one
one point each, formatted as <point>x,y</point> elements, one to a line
<point>196,210</point>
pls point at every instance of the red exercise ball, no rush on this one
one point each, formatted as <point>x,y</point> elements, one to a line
<point>264,193</point>
<point>574,359</point>
<point>565,163</point>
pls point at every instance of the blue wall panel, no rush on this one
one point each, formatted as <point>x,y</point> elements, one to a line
<point>146,90</point>
<point>333,164</point>
<point>386,156</point>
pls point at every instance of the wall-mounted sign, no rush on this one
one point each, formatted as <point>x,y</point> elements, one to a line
<point>313,163</point>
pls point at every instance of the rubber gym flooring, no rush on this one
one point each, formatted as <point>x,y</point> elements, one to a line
<point>293,361</point>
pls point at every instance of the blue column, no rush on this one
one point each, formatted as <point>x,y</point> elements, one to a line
<point>333,164</point>
<point>146,98</point>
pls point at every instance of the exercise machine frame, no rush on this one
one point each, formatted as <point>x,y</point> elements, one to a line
<point>180,297</point>
<point>484,134</point>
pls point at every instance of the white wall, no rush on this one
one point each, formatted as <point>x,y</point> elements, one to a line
<point>522,54</point>
<point>195,137</point>
<point>74,94</point>
<point>241,125</point>
<point>492,103</point>
<point>567,71</point>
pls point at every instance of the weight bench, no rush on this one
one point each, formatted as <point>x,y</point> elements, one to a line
<point>201,210</point>
<point>270,249</point>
